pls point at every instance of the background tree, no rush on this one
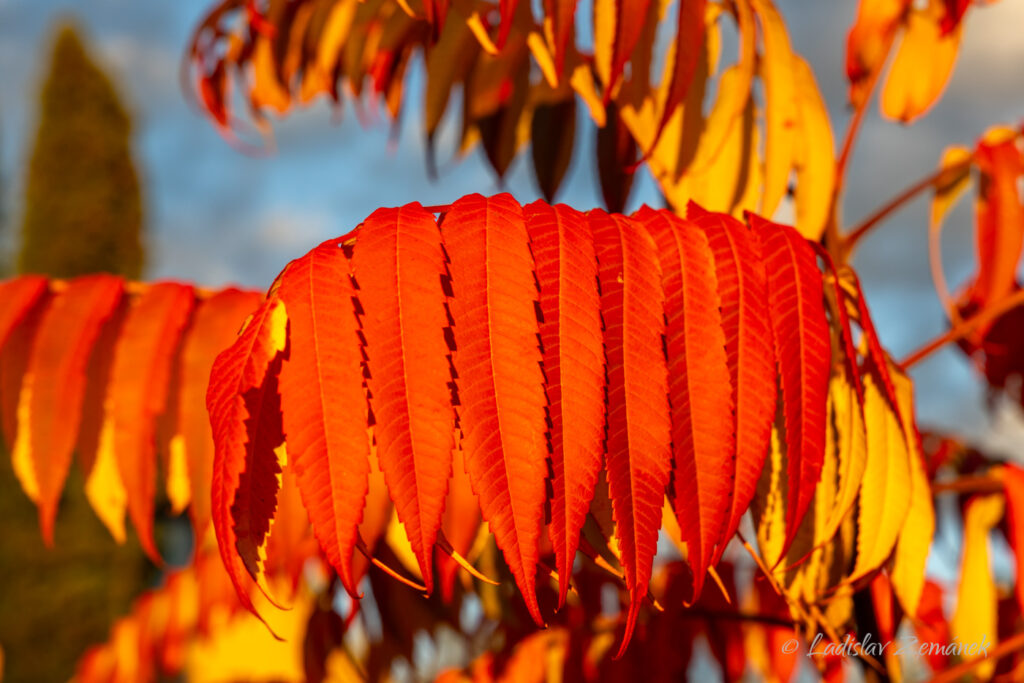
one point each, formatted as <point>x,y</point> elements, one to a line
<point>83,210</point>
<point>82,214</point>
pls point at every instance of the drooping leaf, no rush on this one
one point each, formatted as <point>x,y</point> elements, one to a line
<point>885,492</point>
<point>139,380</point>
<point>570,334</point>
<point>814,156</point>
<point>780,77</point>
<point>50,402</point>
<point>911,556</point>
<point>922,65</point>
<point>324,400</point>
<point>867,44</point>
<point>399,266</point>
<point>975,620</point>
<point>245,417</point>
<point>638,447</point>
<point>499,378</point>
<point>803,356</point>
<point>699,390</point>
<point>999,213</point>
<point>552,131</point>
<point>1013,484</point>
<point>23,301</point>
<point>742,288</point>
<point>616,153</point>
<point>617,28</point>
<point>687,52</point>
<point>215,326</point>
<point>560,13</point>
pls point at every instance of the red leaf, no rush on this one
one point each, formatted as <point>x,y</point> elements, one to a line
<point>1013,483</point>
<point>803,354</point>
<point>54,385</point>
<point>460,522</point>
<point>561,13</point>
<point>139,381</point>
<point>700,393</point>
<point>215,326</point>
<point>499,378</point>
<point>570,335</point>
<point>742,287</point>
<point>507,9</point>
<point>689,44</point>
<point>629,26</point>
<point>17,297</point>
<point>245,417</point>
<point>324,401</point>
<point>1000,219</point>
<point>638,448</point>
<point>399,266</point>
<point>22,301</point>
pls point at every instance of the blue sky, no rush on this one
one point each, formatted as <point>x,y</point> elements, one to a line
<point>217,216</point>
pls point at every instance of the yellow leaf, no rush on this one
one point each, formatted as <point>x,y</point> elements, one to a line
<point>948,189</point>
<point>768,507</point>
<point>847,422</point>
<point>780,94</point>
<point>975,620</point>
<point>267,89</point>
<point>867,44</point>
<point>179,489</point>
<point>733,93</point>
<point>21,453</point>
<point>398,540</point>
<point>886,489</point>
<point>103,486</point>
<point>915,540</point>
<point>815,155</point>
<point>923,64</point>
<point>319,75</point>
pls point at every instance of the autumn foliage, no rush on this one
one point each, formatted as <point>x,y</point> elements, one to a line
<point>638,430</point>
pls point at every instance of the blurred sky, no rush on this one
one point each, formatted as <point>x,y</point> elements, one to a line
<point>217,216</point>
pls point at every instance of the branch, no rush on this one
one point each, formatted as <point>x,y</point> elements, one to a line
<point>976,483</point>
<point>852,130</point>
<point>1008,646</point>
<point>957,332</point>
<point>930,180</point>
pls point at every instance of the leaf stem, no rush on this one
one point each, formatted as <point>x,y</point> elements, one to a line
<point>964,328</point>
<point>856,234</point>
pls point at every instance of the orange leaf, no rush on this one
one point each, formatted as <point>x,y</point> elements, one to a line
<point>499,378</point>
<point>868,42</point>
<point>922,65</point>
<point>215,326</point>
<point>802,351</point>
<point>1000,216</point>
<point>245,417</point>
<point>742,287</point>
<point>560,13</point>
<point>50,405</point>
<point>1013,483</point>
<point>399,267</point>
<point>570,334</point>
<point>139,381</point>
<point>638,449</point>
<point>324,401</point>
<point>22,301</point>
<point>700,393</point>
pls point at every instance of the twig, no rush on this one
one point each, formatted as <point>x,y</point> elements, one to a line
<point>978,483</point>
<point>930,180</point>
<point>852,129</point>
<point>957,332</point>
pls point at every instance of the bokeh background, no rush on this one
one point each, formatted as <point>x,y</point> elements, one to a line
<point>214,215</point>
